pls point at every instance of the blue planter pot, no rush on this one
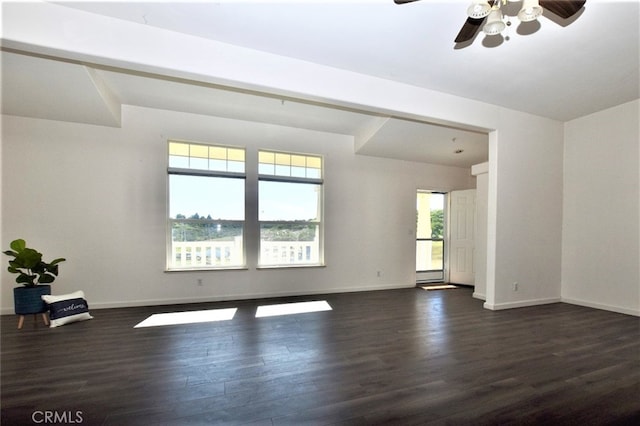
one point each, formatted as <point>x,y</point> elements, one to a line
<point>28,300</point>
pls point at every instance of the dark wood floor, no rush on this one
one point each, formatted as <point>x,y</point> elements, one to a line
<point>397,357</point>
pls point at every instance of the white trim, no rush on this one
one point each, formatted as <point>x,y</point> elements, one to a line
<point>479,169</point>
<point>492,219</point>
<point>479,296</point>
<point>500,306</point>
<point>605,307</point>
<point>239,297</point>
<point>291,179</point>
<point>521,304</point>
<point>200,172</point>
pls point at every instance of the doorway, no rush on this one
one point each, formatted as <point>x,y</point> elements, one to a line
<point>431,225</point>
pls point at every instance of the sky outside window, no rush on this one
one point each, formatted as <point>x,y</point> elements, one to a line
<point>221,198</point>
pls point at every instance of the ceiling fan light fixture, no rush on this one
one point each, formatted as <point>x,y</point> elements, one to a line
<point>530,11</point>
<point>495,25</point>
<point>479,9</point>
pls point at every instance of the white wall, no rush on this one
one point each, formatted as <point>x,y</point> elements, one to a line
<point>481,172</point>
<point>97,196</point>
<point>601,235</point>
<point>525,223</point>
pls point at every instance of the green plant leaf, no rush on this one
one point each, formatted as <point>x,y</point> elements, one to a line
<point>28,258</point>
<point>46,279</point>
<point>18,245</point>
<point>39,268</point>
<point>29,266</point>
<point>53,269</point>
<point>26,279</point>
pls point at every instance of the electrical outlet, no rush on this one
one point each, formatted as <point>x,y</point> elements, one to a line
<point>515,286</point>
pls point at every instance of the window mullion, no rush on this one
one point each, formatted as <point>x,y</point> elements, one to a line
<point>290,179</point>
<point>196,172</point>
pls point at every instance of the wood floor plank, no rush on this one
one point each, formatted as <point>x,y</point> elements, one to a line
<point>399,357</point>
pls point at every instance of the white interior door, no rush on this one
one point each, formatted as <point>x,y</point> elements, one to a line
<point>461,236</point>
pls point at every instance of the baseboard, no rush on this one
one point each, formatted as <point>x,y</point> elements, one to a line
<point>521,304</point>
<point>617,309</point>
<point>479,296</point>
<point>205,299</point>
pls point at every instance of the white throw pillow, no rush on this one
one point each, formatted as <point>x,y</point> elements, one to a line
<point>67,308</point>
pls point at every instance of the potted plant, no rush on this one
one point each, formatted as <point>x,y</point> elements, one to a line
<point>34,274</point>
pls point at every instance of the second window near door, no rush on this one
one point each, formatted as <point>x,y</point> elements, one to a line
<point>430,232</point>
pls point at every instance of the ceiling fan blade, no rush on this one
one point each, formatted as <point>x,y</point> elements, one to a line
<point>403,1</point>
<point>469,29</point>
<point>564,9</point>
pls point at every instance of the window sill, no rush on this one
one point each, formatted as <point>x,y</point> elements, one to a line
<point>267,267</point>
<point>232,268</point>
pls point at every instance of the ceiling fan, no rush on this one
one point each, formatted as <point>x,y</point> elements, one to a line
<point>489,10</point>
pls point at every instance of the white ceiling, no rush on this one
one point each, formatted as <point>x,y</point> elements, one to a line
<point>560,70</point>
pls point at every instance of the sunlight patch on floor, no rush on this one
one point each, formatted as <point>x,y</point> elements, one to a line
<point>292,308</point>
<point>438,287</point>
<point>189,317</point>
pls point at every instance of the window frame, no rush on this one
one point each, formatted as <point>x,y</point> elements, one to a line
<point>434,275</point>
<point>199,172</point>
<point>319,222</point>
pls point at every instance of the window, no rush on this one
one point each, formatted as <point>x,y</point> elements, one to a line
<point>290,209</point>
<point>430,231</point>
<point>206,206</point>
